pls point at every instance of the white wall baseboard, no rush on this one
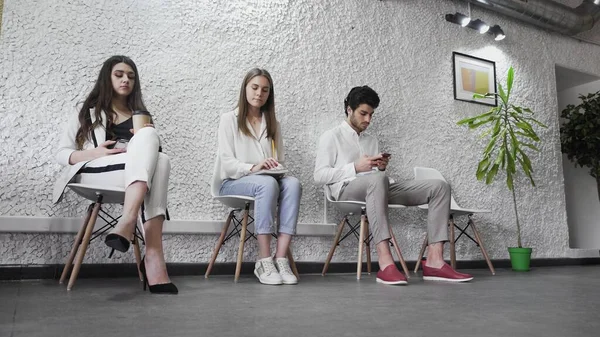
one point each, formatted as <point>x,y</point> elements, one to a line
<point>27,224</point>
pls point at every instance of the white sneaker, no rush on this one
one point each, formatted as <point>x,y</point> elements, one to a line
<point>265,271</point>
<point>283,265</point>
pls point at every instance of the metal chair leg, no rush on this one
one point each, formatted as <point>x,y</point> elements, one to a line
<point>219,244</point>
<point>84,244</point>
<point>334,246</point>
<point>76,244</point>
<point>480,243</point>
<point>423,247</point>
<point>238,266</point>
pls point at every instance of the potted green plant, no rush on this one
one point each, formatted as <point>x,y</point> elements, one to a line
<point>580,134</point>
<point>510,130</point>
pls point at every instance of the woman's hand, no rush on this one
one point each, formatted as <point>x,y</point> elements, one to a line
<point>266,164</point>
<point>145,125</point>
<point>102,150</point>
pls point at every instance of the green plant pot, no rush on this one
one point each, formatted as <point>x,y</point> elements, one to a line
<point>520,258</point>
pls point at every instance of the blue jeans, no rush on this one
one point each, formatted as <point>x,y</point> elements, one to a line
<point>268,192</point>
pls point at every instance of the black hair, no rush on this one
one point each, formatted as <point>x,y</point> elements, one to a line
<point>361,95</point>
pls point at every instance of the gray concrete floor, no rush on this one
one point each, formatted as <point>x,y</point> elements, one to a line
<point>557,301</point>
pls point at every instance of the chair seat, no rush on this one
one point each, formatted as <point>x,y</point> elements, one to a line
<point>461,211</point>
<point>110,194</point>
<point>234,201</point>
<point>396,206</point>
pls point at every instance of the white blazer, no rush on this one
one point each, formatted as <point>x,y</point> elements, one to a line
<point>237,152</point>
<point>68,145</point>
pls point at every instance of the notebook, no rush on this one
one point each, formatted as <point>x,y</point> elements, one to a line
<point>277,172</point>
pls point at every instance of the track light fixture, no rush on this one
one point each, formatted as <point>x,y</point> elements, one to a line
<point>497,32</point>
<point>458,18</point>
<point>477,24</point>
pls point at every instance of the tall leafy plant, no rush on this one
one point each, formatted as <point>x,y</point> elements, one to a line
<point>511,133</point>
<point>580,134</point>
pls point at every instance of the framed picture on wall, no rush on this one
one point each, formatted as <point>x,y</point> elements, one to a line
<point>474,75</point>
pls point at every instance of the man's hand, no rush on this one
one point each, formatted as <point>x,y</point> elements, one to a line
<point>383,161</point>
<point>366,163</point>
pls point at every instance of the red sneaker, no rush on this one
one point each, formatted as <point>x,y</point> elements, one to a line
<point>446,273</point>
<point>391,275</point>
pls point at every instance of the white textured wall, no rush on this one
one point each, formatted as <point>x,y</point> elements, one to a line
<point>581,193</point>
<point>192,56</point>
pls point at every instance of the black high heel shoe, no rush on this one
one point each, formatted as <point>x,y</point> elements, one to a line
<point>163,288</point>
<point>117,242</point>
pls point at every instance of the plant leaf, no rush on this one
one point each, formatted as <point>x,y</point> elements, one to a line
<point>491,174</point>
<point>531,146</point>
<point>502,94</point>
<point>509,81</point>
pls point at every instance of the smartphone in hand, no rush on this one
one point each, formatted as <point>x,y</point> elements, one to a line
<point>385,155</point>
<point>119,144</point>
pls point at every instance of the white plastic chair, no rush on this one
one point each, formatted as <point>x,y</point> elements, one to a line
<point>99,195</point>
<point>237,203</point>
<point>422,173</point>
<point>360,231</point>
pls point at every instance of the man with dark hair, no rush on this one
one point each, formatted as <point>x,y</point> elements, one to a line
<point>349,164</point>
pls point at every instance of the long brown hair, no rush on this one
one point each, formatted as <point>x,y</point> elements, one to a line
<point>268,109</point>
<point>100,98</point>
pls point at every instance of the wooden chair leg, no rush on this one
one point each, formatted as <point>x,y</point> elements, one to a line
<point>452,244</point>
<point>76,244</point>
<point>368,248</point>
<point>361,245</point>
<point>421,252</point>
<point>84,245</point>
<point>138,256</point>
<point>219,244</point>
<point>400,257</point>
<point>290,257</point>
<point>335,243</point>
<point>238,265</point>
<point>480,242</point>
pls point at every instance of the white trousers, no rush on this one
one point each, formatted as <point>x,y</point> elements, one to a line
<point>141,162</point>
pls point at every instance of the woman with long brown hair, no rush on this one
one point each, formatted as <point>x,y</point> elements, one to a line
<point>88,149</point>
<point>250,156</point>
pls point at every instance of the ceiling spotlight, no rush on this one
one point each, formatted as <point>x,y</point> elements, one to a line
<point>477,24</point>
<point>458,18</point>
<point>497,32</point>
<point>480,26</point>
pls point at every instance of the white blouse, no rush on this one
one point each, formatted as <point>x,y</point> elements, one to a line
<point>237,152</point>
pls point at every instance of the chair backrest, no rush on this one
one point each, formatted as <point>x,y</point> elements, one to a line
<point>422,173</point>
<point>215,182</point>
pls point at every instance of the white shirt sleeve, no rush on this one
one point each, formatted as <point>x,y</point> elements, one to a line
<point>280,147</point>
<point>67,144</point>
<point>232,167</point>
<point>325,172</point>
